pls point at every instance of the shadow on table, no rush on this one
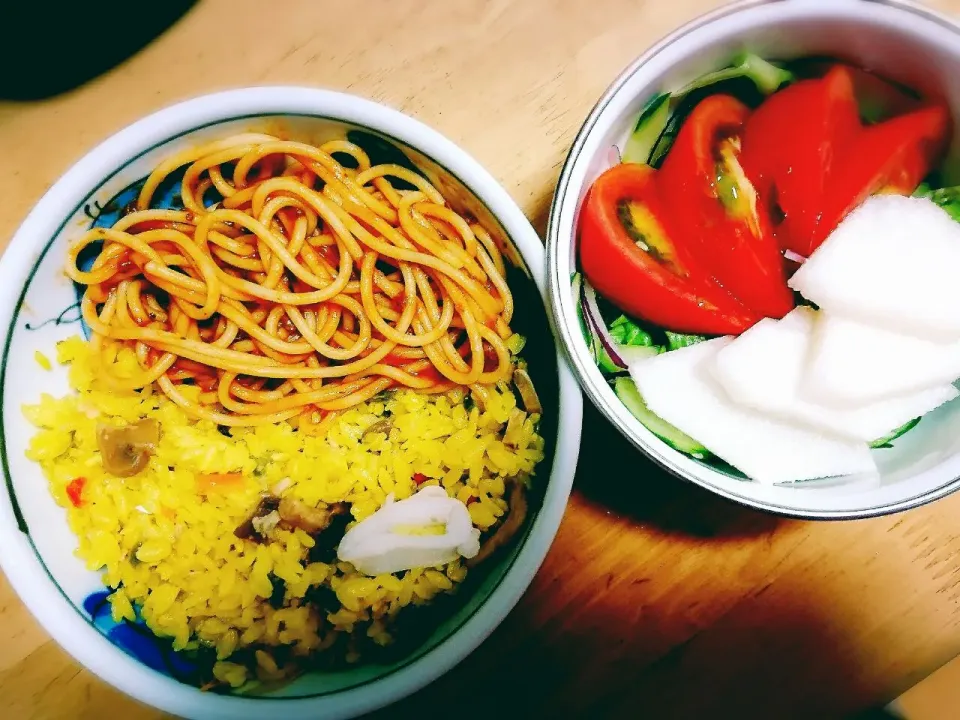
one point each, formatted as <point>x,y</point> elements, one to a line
<point>613,473</point>
<point>49,48</point>
<point>772,652</point>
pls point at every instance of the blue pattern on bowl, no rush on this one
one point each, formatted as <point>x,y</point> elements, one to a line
<point>136,639</point>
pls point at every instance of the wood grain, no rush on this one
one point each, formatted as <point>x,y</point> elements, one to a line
<point>657,599</point>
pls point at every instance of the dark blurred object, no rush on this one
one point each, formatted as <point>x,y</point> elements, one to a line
<point>49,48</point>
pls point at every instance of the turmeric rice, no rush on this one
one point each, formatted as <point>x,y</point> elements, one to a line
<point>167,539</point>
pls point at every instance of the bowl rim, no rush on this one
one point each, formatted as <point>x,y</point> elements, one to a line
<point>653,447</point>
<point>23,568</point>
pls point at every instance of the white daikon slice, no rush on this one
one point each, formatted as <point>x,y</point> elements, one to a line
<point>679,387</point>
<point>852,364</point>
<point>892,263</point>
<point>764,368</point>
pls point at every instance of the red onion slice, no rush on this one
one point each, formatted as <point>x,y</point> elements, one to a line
<point>591,311</point>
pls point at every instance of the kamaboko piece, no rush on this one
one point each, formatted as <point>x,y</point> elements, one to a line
<point>426,530</point>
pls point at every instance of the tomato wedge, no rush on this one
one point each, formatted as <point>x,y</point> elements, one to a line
<point>629,256</point>
<point>892,156</point>
<point>714,208</point>
<point>791,144</point>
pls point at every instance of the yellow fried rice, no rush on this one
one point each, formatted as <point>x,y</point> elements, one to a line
<point>169,549</point>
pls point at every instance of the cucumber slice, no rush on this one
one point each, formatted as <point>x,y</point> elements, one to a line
<point>650,126</point>
<point>765,75</point>
<point>576,283</point>
<point>605,362</point>
<point>887,440</point>
<point>630,396</point>
<point>631,354</point>
<point>655,119</point>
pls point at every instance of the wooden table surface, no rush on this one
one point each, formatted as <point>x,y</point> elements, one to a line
<point>657,599</point>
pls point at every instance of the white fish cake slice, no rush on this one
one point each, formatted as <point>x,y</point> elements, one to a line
<point>891,263</point>
<point>679,387</point>
<point>764,369</point>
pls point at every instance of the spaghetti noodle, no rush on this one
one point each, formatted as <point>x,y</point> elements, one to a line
<point>303,288</point>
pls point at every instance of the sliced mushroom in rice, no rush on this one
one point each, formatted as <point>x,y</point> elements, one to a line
<point>516,514</point>
<point>265,524</point>
<point>262,520</point>
<point>125,450</point>
<point>312,520</point>
<point>383,425</point>
<point>528,394</point>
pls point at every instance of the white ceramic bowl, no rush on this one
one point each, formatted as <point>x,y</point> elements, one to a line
<point>38,308</point>
<point>899,40</point>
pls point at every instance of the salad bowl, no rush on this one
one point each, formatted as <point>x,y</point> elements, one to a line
<point>758,43</point>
